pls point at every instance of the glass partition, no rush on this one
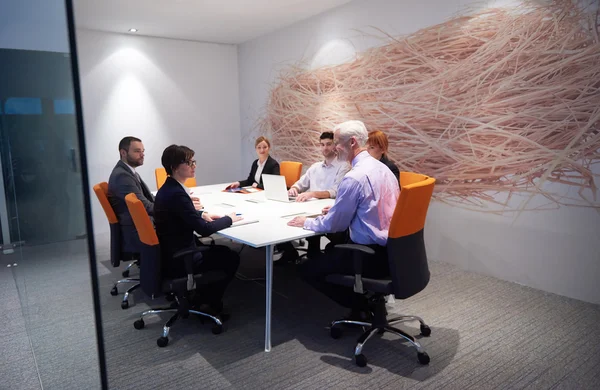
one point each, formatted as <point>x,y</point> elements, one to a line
<point>47,286</point>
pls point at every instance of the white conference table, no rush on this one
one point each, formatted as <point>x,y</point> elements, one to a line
<point>268,227</point>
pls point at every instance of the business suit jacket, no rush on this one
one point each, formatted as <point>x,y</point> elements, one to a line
<point>271,168</point>
<point>122,182</point>
<point>176,220</point>
<point>391,166</point>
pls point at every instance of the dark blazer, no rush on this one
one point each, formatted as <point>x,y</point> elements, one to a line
<point>122,182</point>
<point>391,166</point>
<point>271,168</point>
<point>176,220</point>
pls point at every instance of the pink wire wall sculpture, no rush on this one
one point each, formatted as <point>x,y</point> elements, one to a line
<point>504,101</point>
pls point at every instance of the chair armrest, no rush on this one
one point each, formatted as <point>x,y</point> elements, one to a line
<point>185,252</point>
<point>357,247</point>
<point>189,264</point>
<point>359,251</point>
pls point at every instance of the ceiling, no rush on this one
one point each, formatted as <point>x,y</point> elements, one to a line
<point>221,21</point>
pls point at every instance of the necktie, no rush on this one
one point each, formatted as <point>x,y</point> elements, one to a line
<point>145,189</point>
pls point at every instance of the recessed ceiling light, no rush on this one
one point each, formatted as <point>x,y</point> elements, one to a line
<point>133,30</point>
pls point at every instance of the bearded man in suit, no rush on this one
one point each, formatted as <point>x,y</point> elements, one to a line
<point>125,180</point>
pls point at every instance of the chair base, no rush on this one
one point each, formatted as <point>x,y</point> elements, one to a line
<point>379,325</point>
<point>115,290</point>
<point>125,273</point>
<point>163,340</point>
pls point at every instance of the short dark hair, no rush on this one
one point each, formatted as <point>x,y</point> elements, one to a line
<point>174,155</point>
<point>126,142</point>
<point>327,135</point>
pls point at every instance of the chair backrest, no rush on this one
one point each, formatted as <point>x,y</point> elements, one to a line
<point>405,245</point>
<point>101,191</point>
<point>292,171</point>
<point>150,271</point>
<point>160,175</point>
<point>191,182</point>
<point>407,178</point>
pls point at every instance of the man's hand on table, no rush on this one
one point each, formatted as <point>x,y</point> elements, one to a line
<point>297,222</point>
<point>303,197</point>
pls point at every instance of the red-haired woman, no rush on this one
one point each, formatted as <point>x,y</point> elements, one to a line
<point>377,146</point>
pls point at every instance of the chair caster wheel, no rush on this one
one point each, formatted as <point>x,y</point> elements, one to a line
<point>162,342</point>
<point>139,324</point>
<point>217,329</point>
<point>125,273</point>
<point>425,330</point>
<point>124,305</point>
<point>335,333</point>
<point>361,360</point>
<point>170,297</point>
<point>114,291</point>
<point>423,358</point>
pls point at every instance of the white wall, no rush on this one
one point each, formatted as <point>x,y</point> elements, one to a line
<point>34,25</point>
<point>556,251</point>
<point>162,91</point>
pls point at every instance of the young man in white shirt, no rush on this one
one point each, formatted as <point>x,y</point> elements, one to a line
<point>320,181</point>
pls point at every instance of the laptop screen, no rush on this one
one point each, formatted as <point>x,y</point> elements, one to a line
<point>275,188</point>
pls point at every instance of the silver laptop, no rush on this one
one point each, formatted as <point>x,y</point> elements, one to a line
<point>275,188</point>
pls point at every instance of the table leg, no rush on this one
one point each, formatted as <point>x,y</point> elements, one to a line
<point>269,290</point>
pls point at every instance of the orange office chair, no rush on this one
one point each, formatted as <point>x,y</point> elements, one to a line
<point>116,253</point>
<point>154,284</point>
<point>291,170</point>
<point>161,176</point>
<point>409,272</point>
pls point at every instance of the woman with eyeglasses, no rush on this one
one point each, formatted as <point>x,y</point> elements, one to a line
<point>177,219</point>
<point>263,164</point>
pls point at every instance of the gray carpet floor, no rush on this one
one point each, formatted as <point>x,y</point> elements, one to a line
<point>486,334</point>
<point>49,336</point>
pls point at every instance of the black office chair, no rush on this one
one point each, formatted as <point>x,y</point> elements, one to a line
<point>116,253</point>
<point>181,289</point>
<point>408,269</point>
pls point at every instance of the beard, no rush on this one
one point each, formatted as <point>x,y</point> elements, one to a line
<point>134,163</point>
<point>343,154</point>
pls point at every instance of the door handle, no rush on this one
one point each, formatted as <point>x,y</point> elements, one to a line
<point>73,159</point>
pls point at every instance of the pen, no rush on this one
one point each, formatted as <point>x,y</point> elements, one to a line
<point>227,204</point>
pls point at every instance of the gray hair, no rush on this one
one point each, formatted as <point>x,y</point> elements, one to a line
<point>355,129</point>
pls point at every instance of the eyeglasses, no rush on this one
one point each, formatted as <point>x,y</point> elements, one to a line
<point>190,162</point>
